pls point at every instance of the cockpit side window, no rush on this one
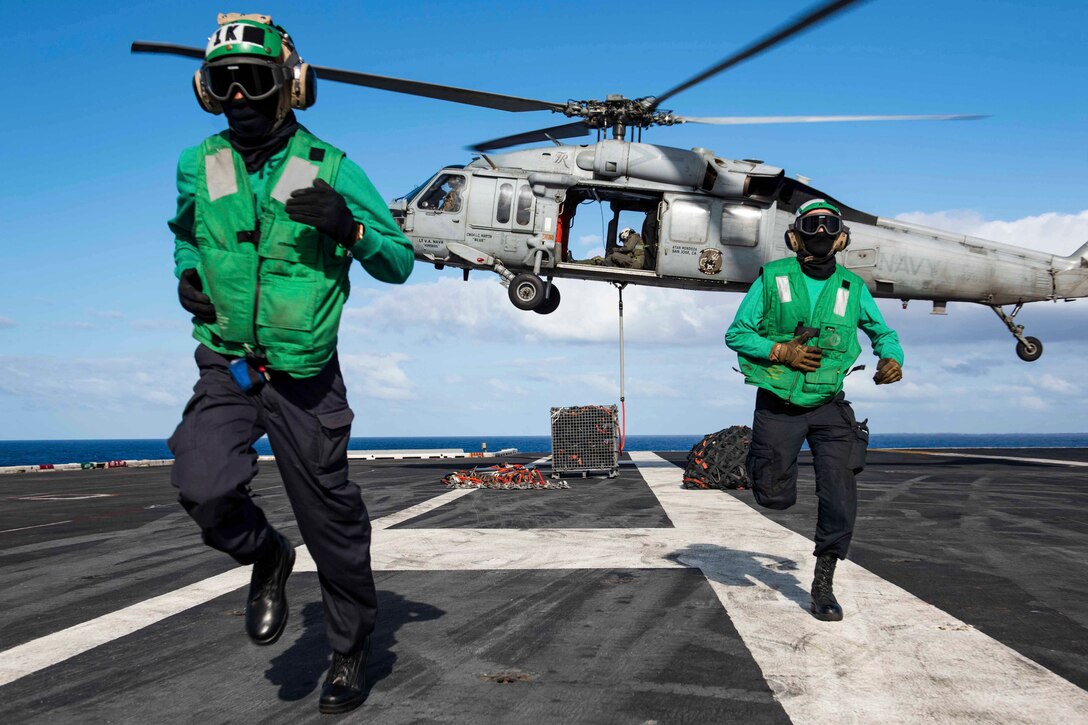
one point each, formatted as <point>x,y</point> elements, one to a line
<point>446,194</point>
<point>502,209</point>
<point>525,206</point>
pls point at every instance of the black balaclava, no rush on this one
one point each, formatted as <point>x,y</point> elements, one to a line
<point>253,131</point>
<point>816,258</point>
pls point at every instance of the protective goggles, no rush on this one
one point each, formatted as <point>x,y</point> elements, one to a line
<point>256,80</point>
<point>811,223</point>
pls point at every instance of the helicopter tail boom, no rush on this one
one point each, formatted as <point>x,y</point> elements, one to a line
<point>1071,274</point>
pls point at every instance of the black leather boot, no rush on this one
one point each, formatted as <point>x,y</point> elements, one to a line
<point>345,685</point>
<point>266,607</point>
<point>824,606</point>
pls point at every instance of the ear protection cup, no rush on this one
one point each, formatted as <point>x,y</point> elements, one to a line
<point>792,240</point>
<point>205,100</point>
<point>303,87</point>
<point>843,240</point>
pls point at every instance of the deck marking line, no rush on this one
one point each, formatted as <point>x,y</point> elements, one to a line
<point>43,652</point>
<point>1052,461</point>
<point>894,658</point>
<point>36,526</point>
<point>419,509</point>
<point>30,657</point>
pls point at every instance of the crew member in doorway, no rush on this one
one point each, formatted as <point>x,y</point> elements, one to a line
<point>269,219</point>
<point>630,254</point>
<point>796,336</point>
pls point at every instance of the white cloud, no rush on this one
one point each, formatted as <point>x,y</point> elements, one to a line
<point>172,326</point>
<point>107,314</point>
<point>378,376</point>
<point>588,241</point>
<point>588,314</point>
<point>109,385</point>
<point>1032,402</point>
<point>6,322</point>
<point>1051,232</point>
<point>1058,385</point>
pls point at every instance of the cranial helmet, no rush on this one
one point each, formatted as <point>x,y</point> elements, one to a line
<point>627,231</point>
<point>796,234</point>
<point>252,54</point>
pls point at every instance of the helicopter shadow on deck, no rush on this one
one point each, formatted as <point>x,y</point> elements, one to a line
<point>299,670</point>
<point>739,568</point>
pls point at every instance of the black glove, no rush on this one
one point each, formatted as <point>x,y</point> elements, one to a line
<point>797,354</point>
<point>888,371</point>
<point>192,297</point>
<point>324,209</point>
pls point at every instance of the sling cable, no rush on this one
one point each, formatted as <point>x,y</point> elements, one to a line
<point>623,407</point>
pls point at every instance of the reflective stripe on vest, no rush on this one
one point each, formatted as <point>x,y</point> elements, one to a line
<point>219,171</point>
<point>783,282</point>
<point>842,297</point>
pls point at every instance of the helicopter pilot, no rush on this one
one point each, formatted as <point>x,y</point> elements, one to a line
<point>452,201</point>
<point>803,299</point>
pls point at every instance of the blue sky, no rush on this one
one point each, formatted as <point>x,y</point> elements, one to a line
<point>93,343</point>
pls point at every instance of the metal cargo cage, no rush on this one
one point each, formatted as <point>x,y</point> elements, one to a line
<point>585,438</point>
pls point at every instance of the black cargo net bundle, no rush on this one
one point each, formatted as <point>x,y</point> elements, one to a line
<point>717,461</point>
<point>584,438</point>
<point>506,476</point>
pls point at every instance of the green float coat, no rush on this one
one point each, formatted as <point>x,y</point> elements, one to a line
<point>279,292</point>
<point>836,313</point>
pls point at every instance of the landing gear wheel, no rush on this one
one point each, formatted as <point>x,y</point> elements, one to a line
<point>526,291</point>
<point>1031,351</point>
<point>550,303</point>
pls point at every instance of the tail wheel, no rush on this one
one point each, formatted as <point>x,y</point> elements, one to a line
<point>526,291</point>
<point>1031,351</point>
<point>549,304</point>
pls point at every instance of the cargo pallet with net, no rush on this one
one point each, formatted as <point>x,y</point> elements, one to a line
<point>585,439</point>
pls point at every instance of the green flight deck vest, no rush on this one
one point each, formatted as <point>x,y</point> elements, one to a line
<point>836,315</point>
<point>278,286</point>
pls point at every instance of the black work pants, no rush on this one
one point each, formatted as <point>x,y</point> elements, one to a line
<point>308,422</point>
<point>778,431</point>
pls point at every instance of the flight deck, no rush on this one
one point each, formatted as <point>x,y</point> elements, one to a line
<point>625,600</point>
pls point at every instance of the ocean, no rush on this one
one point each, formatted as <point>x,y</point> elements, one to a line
<point>23,453</point>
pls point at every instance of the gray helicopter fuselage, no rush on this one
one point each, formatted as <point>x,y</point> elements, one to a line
<point>712,223</point>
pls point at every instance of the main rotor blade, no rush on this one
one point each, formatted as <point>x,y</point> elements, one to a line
<point>433,90</point>
<point>746,120</point>
<point>147,46</point>
<point>812,18</point>
<point>386,83</point>
<point>567,130</point>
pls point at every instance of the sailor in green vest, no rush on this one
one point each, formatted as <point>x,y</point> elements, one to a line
<point>796,336</point>
<point>269,219</point>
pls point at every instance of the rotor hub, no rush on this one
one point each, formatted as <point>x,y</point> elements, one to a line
<point>616,111</point>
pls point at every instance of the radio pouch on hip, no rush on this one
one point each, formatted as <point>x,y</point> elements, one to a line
<point>247,375</point>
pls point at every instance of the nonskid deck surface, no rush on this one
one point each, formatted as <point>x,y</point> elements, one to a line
<point>624,600</point>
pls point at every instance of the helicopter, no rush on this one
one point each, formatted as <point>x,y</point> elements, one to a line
<point>710,223</point>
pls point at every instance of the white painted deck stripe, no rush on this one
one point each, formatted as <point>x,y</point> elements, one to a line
<point>420,508</point>
<point>893,659</point>
<point>51,649</point>
<point>36,526</point>
<point>27,658</point>
<point>1054,461</point>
